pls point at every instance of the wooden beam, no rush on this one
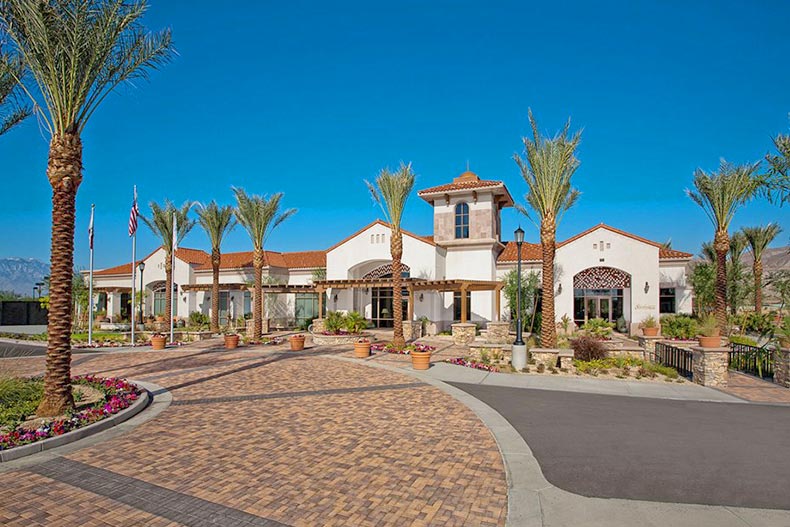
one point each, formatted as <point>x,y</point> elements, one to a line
<point>464,305</point>
<point>497,303</point>
<point>320,291</point>
<point>411,303</point>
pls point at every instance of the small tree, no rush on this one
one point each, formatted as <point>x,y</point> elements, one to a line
<point>759,238</point>
<point>530,291</point>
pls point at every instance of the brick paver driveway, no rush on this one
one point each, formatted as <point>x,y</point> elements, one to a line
<point>269,438</point>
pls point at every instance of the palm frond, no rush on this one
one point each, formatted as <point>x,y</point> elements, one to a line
<point>547,167</point>
<point>721,193</point>
<point>161,222</point>
<point>12,112</point>
<point>78,51</point>
<point>216,222</point>
<point>391,192</point>
<point>260,215</point>
<point>759,238</point>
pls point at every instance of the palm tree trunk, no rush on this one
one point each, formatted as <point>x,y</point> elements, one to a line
<point>548,328</point>
<point>215,261</point>
<point>757,268</point>
<point>721,244</point>
<point>396,249</point>
<point>257,308</point>
<point>168,286</point>
<point>64,171</point>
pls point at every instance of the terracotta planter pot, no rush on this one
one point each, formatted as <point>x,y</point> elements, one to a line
<point>158,343</point>
<point>231,342</point>
<point>420,360</point>
<point>160,318</point>
<point>361,350</point>
<point>709,342</point>
<point>650,332</point>
<point>297,343</point>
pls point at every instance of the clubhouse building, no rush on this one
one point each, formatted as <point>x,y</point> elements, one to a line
<point>454,274</point>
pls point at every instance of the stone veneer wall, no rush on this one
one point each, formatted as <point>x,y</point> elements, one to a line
<point>545,356</point>
<point>498,333</point>
<point>649,345</point>
<point>710,366</point>
<point>412,329</point>
<point>319,325</point>
<point>464,333</point>
<point>782,367</point>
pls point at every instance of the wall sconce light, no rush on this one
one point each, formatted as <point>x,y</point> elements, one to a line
<point>421,297</point>
<point>647,287</point>
<point>559,289</point>
<point>335,298</point>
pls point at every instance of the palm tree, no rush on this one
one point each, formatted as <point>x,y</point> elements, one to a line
<point>217,222</point>
<point>737,290</point>
<point>11,113</point>
<point>720,195</point>
<point>77,52</point>
<point>161,224</point>
<point>547,168</point>
<point>391,191</point>
<point>259,215</point>
<point>759,238</point>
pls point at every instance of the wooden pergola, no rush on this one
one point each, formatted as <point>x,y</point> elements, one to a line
<point>266,288</point>
<point>416,284</point>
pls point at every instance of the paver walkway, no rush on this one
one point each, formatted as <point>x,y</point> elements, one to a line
<point>756,390</point>
<point>268,438</point>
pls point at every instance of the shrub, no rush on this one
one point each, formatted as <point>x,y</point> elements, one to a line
<point>355,322</point>
<point>598,327</point>
<point>742,339</point>
<point>587,348</point>
<point>19,398</point>
<point>196,318</point>
<point>678,327</point>
<point>760,323</point>
<point>649,322</point>
<point>708,326</point>
<point>335,321</point>
<point>541,368</point>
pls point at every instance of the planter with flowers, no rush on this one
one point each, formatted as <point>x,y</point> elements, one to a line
<point>362,348</point>
<point>158,341</point>
<point>709,333</point>
<point>231,341</point>
<point>341,328</point>
<point>297,342</point>
<point>420,353</point>
<point>650,326</point>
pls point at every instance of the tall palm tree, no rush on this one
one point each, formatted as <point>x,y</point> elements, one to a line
<point>720,194</point>
<point>161,224</point>
<point>11,113</point>
<point>259,215</point>
<point>759,238</point>
<point>547,167</point>
<point>217,222</point>
<point>77,52</point>
<point>391,191</point>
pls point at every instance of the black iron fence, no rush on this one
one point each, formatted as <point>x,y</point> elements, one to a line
<point>675,357</point>
<point>752,360</point>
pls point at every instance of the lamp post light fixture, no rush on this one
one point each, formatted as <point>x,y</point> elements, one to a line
<point>142,294</point>
<point>519,351</point>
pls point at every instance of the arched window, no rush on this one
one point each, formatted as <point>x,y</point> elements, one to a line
<point>462,220</point>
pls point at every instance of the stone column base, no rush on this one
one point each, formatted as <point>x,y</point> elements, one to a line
<point>546,356</point>
<point>319,325</point>
<point>649,345</point>
<point>498,333</point>
<point>710,366</point>
<point>566,359</point>
<point>782,367</point>
<point>412,329</point>
<point>464,333</point>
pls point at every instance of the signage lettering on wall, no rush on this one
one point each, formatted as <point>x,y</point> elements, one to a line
<point>643,307</point>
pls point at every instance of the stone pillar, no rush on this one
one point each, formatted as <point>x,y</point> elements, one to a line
<point>464,333</point>
<point>710,366</point>
<point>782,367</point>
<point>649,345</point>
<point>319,325</point>
<point>566,359</point>
<point>498,333</point>
<point>412,329</point>
<point>265,325</point>
<point>546,356</point>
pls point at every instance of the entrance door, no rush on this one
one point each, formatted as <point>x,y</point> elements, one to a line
<point>224,307</point>
<point>598,307</point>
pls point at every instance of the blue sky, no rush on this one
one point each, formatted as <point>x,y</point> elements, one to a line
<point>310,99</point>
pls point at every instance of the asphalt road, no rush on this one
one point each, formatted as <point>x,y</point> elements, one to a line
<point>14,349</point>
<point>652,449</point>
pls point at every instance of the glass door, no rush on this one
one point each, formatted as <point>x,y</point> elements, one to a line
<point>605,308</point>
<point>224,307</point>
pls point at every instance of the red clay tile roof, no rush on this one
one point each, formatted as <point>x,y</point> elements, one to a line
<point>461,185</point>
<point>426,239</point>
<point>192,256</point>
<point>531,251</point>
<point>305,259</point>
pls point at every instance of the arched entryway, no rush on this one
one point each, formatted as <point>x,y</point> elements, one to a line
<point>600,292</point>
<point>381,298</point>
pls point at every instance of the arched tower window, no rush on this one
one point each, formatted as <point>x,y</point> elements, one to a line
<point>462,220</point>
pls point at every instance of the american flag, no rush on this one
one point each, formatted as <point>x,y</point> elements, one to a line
<point>90,229</point>
<point>133,215</point>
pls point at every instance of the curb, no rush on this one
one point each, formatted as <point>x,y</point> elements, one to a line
<point>92,429</point>
<point>524,478</point>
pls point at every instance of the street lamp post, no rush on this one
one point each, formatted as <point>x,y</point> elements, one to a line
<point>142,295</point>
<point>519,352</point>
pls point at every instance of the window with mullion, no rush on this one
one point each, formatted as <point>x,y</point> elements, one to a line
<point>462,220</point>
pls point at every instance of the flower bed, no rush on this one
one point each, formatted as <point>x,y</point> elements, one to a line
<point>118,395</point>
<point>406,350</point>
<point>330,339</point>
<point>265,341</point>
<point>460,361</point>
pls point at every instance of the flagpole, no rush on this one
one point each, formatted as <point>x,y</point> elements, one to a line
<point>90,281</point>
<point>173,294</point>
<point>134,270</point>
